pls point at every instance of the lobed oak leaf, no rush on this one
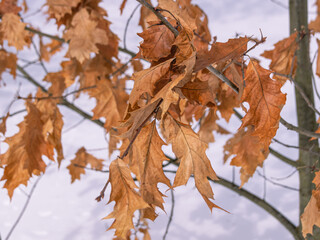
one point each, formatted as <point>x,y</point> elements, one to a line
<point>266,101</point>
<point>146,16</point>
<point>8,61</point>
<point>83,36</point>
<point>282,57</point>
<point>123,4</point>
<point>316,192</point>
<point>111,103</point>
<point>52,124</point>
<point>180,12</point>
<point>82,159</point>
<point>9,6</point>
<point>157,41</point>
<point>208,125</point>
<point>24,156</point>
<point>318,59</point>
<point>135,119</point>
<point>150,157</point>
<point>199,92</point>
<point>191,151</point>
<point>58,84</point>
<point>315,24</point>
<point>249,153</point>
<point>3,124</point>
<point>60,8</point>
<point>146,81</point>
<point>13,31</point>
<point>49,49</point>
<point>228,101</point>
<point>127,199</point>
<point>171,92</point>
<point>221,52</point>
<point>310,217</point>
<point>184,43</point>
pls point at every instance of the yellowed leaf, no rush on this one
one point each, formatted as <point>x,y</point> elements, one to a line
<point>83,36</point>
<point>82,159</point>
<point>127,199</point>
<point>13,31</point>
<point>191,151</point>
<point>266,101</point>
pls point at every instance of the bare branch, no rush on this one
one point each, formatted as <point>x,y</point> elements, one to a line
<point>171,215</point>
<point>277,184</point>
<point>298,129</point>
<point>24,207</point>
<point>127,25</point>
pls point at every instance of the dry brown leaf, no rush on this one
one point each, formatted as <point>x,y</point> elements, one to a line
<point>3,124</point>
<point>127,200</point>
<point>136,118</point>
<point>9,6</point>
<point>60,8</point>
<point>282,57</point>
<point>310,217</point>
<point>180,13</point>
<point>83,36</point>
<point>150,157</point>
<point>191,152</point>
<point>147,80</point>
<point>208,125</point>
<point>249,153</point>
<point>157,41</point>
<point>24,156</point>
<point>82,159</point>
<point>315,24</point>
<point>266,101</point>
<point>14,32</point>
<point>318,59</point>
<point>221,52</point>
<point>111,103</point>
<point>8,61</point>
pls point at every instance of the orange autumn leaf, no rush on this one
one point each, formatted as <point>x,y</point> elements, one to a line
<point>83,36</point>
<point>220,52</point>
<point>8,61</point>
<point>318,59</point>
<point>24,156</point>
<point>315,24</point>
<point>266,101</point>
<point>311,214</point>
<point>147,80</point>
<point>157,42</point>
<point>13,31</point>
<point>9,6</point>
<point>111,103</point>
<point>191,151</point>
<point>82,159</point>
<point>180,12</point>
<point>3,124</point>
<point>127,199</point>
<point>249,153</point>
<point>60,8</point>
<point>310,217</point>
<point>282,56</point>
<point>135,119</point>
<point>150,157</point>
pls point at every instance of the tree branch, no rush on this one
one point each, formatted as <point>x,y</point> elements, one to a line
<point>24,207</point>
<point>263,204</point>
<point>302,131</point>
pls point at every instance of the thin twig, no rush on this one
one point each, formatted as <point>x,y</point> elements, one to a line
<point>302,131</point>
<point>171,215</point>
<point>275,183</point>
<point>296,147</point>
<point>58,97</point>
<point>24,207</point>
<point>286,177</point>
<point>127,25</point>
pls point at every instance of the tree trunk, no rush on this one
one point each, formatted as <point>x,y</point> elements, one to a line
<point>306,116</point>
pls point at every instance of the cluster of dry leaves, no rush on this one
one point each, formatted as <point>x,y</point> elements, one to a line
<point>168,96</point>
